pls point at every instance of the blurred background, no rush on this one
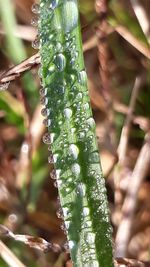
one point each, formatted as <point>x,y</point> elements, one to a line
<point>116,45</point>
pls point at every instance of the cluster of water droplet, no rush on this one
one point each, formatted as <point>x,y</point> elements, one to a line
<point>70,124</point>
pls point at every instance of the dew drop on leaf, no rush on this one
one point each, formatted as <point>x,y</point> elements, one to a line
<point>35,8</point>
<point>74,151</point>
<point>46,138</point>
<point>68,113</point>
<point>75,168</point>
<point>60,62</point>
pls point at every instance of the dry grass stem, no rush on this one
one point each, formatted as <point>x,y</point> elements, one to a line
<point>141,13</point>
<point>128,209</point>
<point>9,257</point>
<point>122,149</point>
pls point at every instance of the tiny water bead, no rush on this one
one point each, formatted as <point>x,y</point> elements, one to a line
<point>76,168</point>
<point>68,113</point>
<point>53,174</point>
<point>59,213</point>
<point>43,91</point>
<point>50,159</point>
<point>55,157</point>
<point>36,43</point>
<point>46,138</point>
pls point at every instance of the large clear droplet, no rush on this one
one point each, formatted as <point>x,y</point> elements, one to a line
<point>74,151</point>
<point>82,77</point>
<point>35,8</point>
<point>68,113</point>
<point>53,4</point>
<point>91,122</point>
<point>60,62</point>
<point>76,168</point>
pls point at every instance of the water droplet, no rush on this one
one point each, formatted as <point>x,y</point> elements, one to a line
<point>66,246</point>
<point>46,138</point>
<point>60,122</point>
<point>94,263</point>
<point>86,106</point>
<point>79,96</point>
<point>73,130</point>
<point>68,113</point>
<point>60,89</point>
<point>58,47</point>
<point>44,101</point>
<point>63,227</point>
<point>50,159</point>
<point>40,72</point>
<point>35,8</point>
<point>71,244</point>
<point>82,77</point>
<point>53,4</point>
<point>72,61</point>
<point>86,211</point>
<point>88,224</point>
<point>74,151</point>
<point>53,174</point>
<point>81,189</point>
<point>55,157</point>
<point>58,173</point>
<point>45,112</point>
<point>94,157</point>
<point>81,135</point>
<point>43,91</point>
<point>59,213</point>
<point>4,86</point>
<point>91,122</point>
<point>36,43</point>
<point>34,21</point>
<point>65,212</point>
<point>76,168</point>
<point>70,15</point>
<point>47,122</point>
<point>59,182</point>
<point>90,238</point>
<point>60,62</point>
<point>55,184</point>
<point>52,137</point>
<point>67,224</point>
<point>51,68</point>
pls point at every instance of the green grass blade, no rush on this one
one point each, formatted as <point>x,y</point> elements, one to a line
<point>71,132</point>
